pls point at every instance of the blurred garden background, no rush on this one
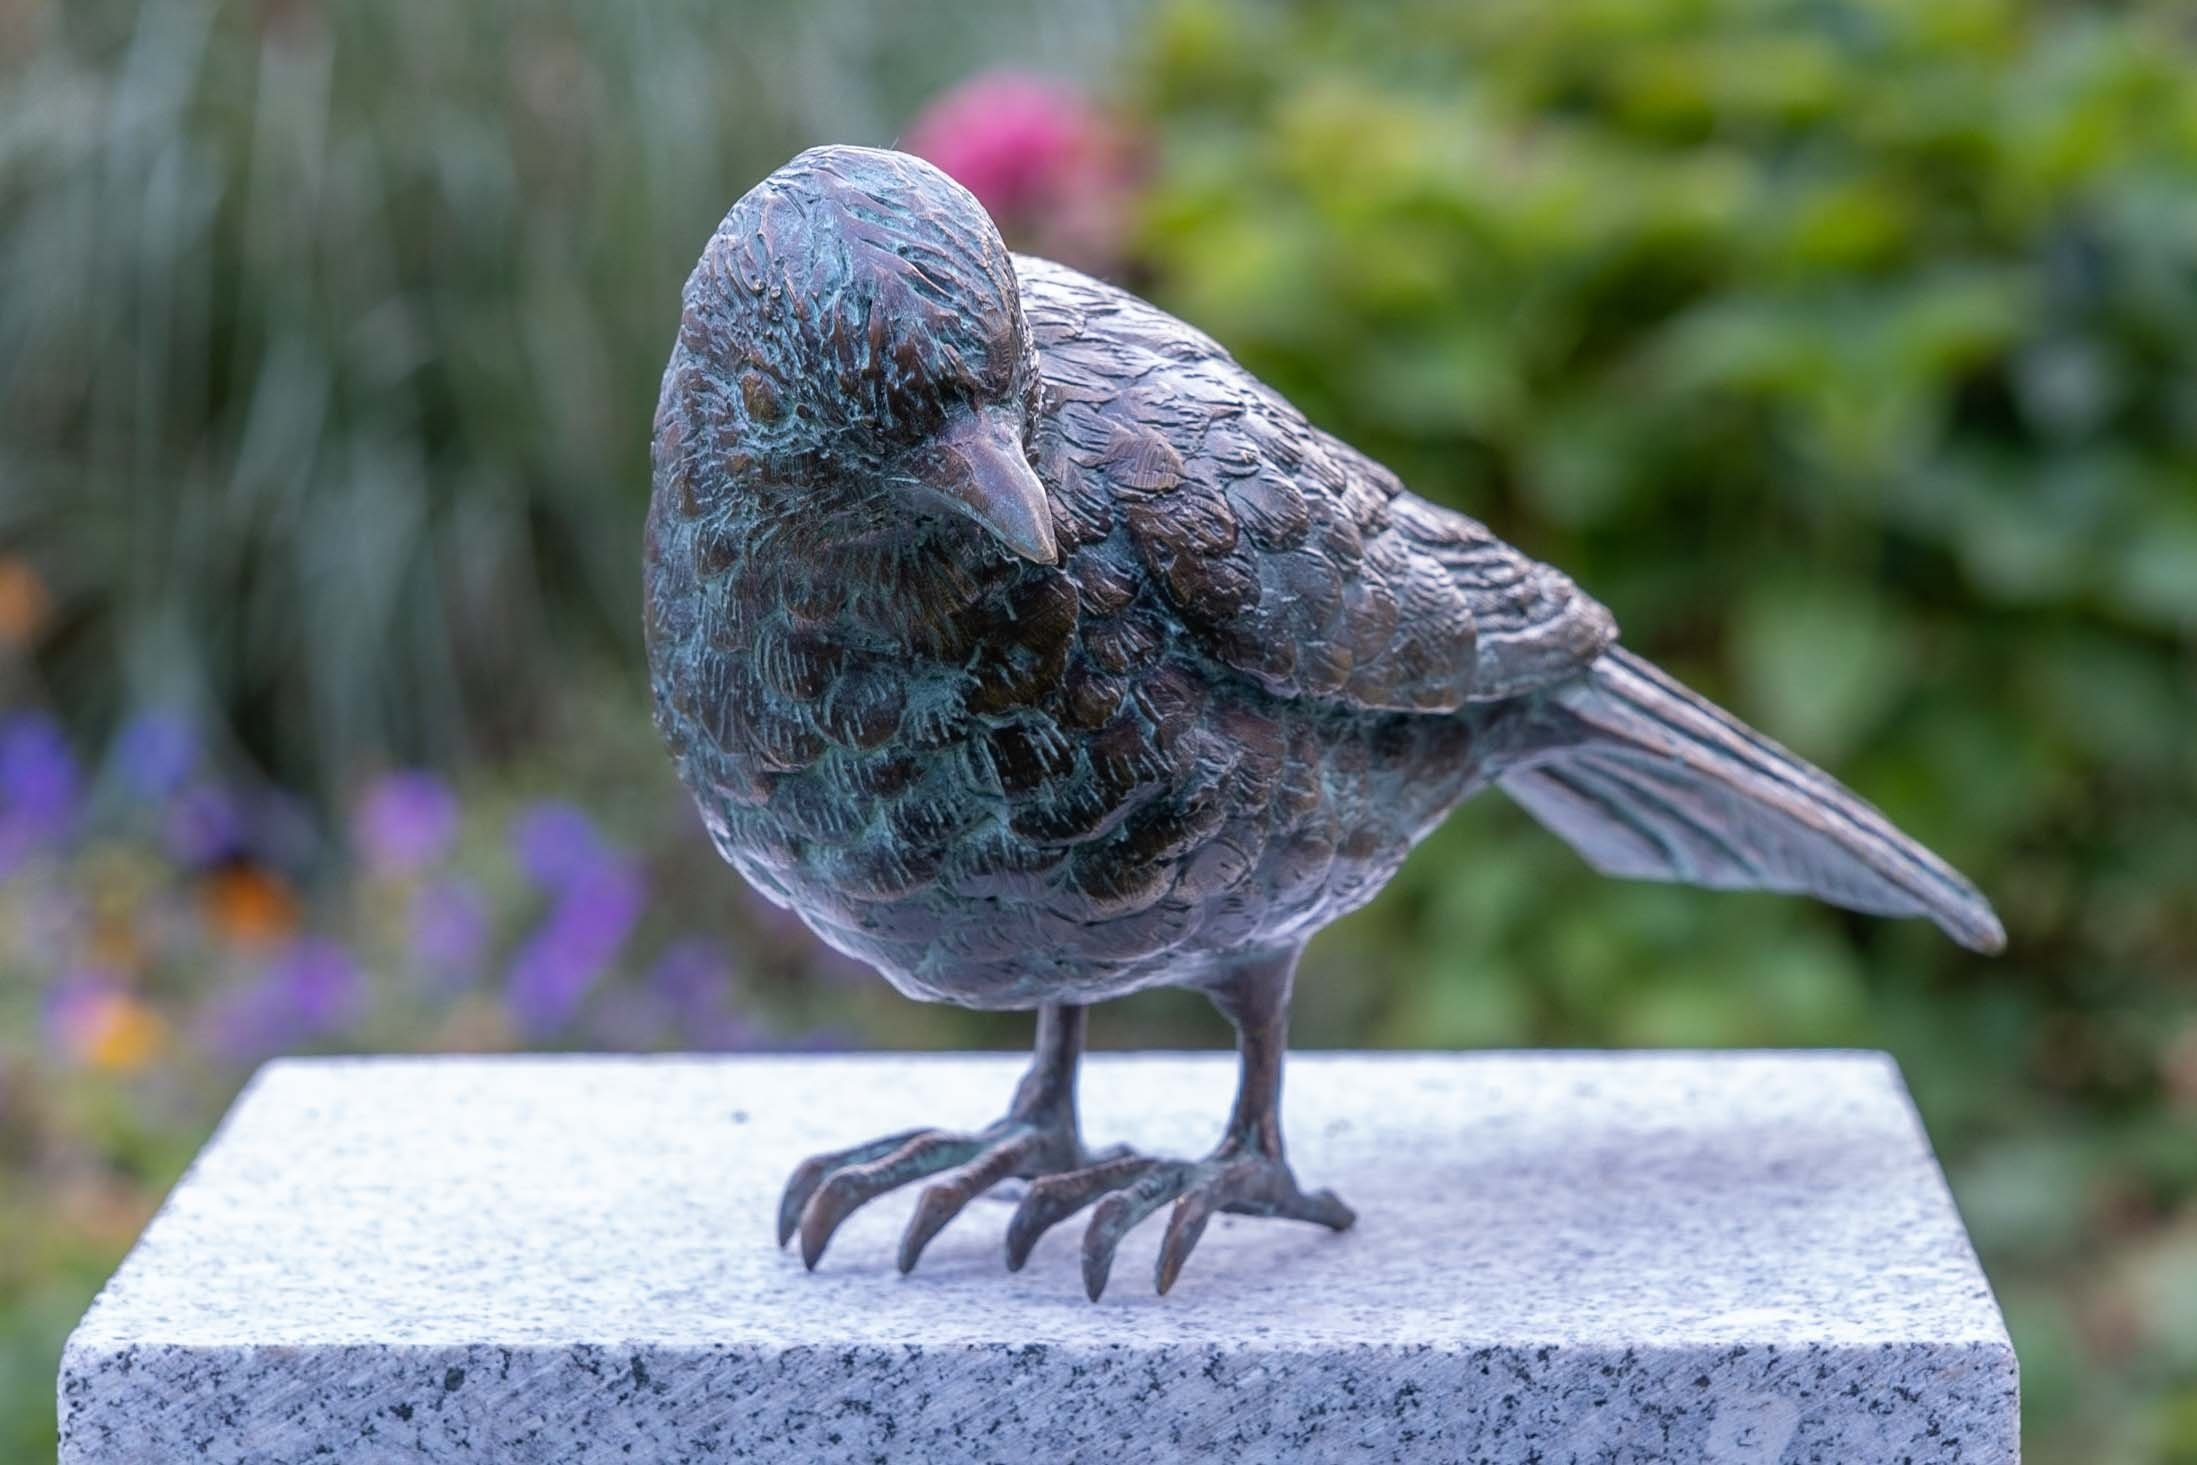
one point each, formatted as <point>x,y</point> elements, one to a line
<point>1846,348</point>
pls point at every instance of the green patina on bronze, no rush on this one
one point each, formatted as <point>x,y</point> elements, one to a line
<point>1033,652</point>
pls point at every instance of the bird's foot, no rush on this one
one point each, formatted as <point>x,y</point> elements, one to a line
<point>1238,1177</point>
<point>826,1189</point>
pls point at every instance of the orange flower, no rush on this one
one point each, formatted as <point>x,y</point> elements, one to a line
<point>24,603</point>
<point>251,906</point>
<point>115,1031</point>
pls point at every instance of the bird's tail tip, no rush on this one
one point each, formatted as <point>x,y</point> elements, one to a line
<point>1658,783</point>
<point>1980,929</point>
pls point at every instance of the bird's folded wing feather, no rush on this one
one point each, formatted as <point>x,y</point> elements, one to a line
<point>1290,556</point>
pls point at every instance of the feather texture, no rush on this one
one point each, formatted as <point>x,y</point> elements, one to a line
<point>1657,783</point>
<point>1256,672</point>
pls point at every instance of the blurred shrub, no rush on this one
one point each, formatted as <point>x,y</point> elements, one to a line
<point>1848,350</point>
<point>330,331</point>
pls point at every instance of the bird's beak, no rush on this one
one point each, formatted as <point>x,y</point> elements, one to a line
<point>982,471</point>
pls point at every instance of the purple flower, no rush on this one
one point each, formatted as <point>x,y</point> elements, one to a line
<point>449,928</point>
<point>320,983</point>
<point>38,786</point>
<point>562,959</point>
<point>556,844</point>
<point>204,826</point>
<point>312,989</point>
<point>405,820</point>
<point>156,751</point>
<point>38,778</point>
<point>692,974</point>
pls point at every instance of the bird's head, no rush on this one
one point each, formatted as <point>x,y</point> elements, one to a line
<point>853,344</point>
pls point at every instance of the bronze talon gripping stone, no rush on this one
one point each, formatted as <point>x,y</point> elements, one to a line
<point>1033,652</point>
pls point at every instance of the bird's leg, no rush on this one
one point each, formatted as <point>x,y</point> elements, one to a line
<point>1246,1174</point>
<point>1038,1136</point>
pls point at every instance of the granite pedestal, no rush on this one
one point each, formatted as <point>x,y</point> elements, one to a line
<point>1559,1258</point>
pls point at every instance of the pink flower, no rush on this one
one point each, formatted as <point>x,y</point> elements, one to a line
<point>1048,165</point>
<point>1005,136</point>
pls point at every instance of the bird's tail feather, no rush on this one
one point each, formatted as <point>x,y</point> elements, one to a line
<point>1657,783</point>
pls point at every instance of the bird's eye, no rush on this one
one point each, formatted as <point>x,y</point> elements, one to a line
<point>761,397</point>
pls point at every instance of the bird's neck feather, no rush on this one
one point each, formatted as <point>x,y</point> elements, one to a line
<point>890,570</point>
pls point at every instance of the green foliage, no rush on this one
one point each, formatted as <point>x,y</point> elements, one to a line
<point>1848,350</point>
<point>330,333</point>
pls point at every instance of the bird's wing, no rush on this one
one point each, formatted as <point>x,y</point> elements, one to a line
<point>1292,557</point>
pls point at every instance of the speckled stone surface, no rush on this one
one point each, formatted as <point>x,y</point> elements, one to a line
<point>1560,1258</point>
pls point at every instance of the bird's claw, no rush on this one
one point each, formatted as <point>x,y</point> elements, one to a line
<point>1235,1178</point>
<point>812,1173</point>
<point>1125,1188</point>
<point>1053,1198</point>
<point>826,1189</point>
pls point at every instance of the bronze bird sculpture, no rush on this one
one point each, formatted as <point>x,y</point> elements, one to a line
<point>1034,653</point>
